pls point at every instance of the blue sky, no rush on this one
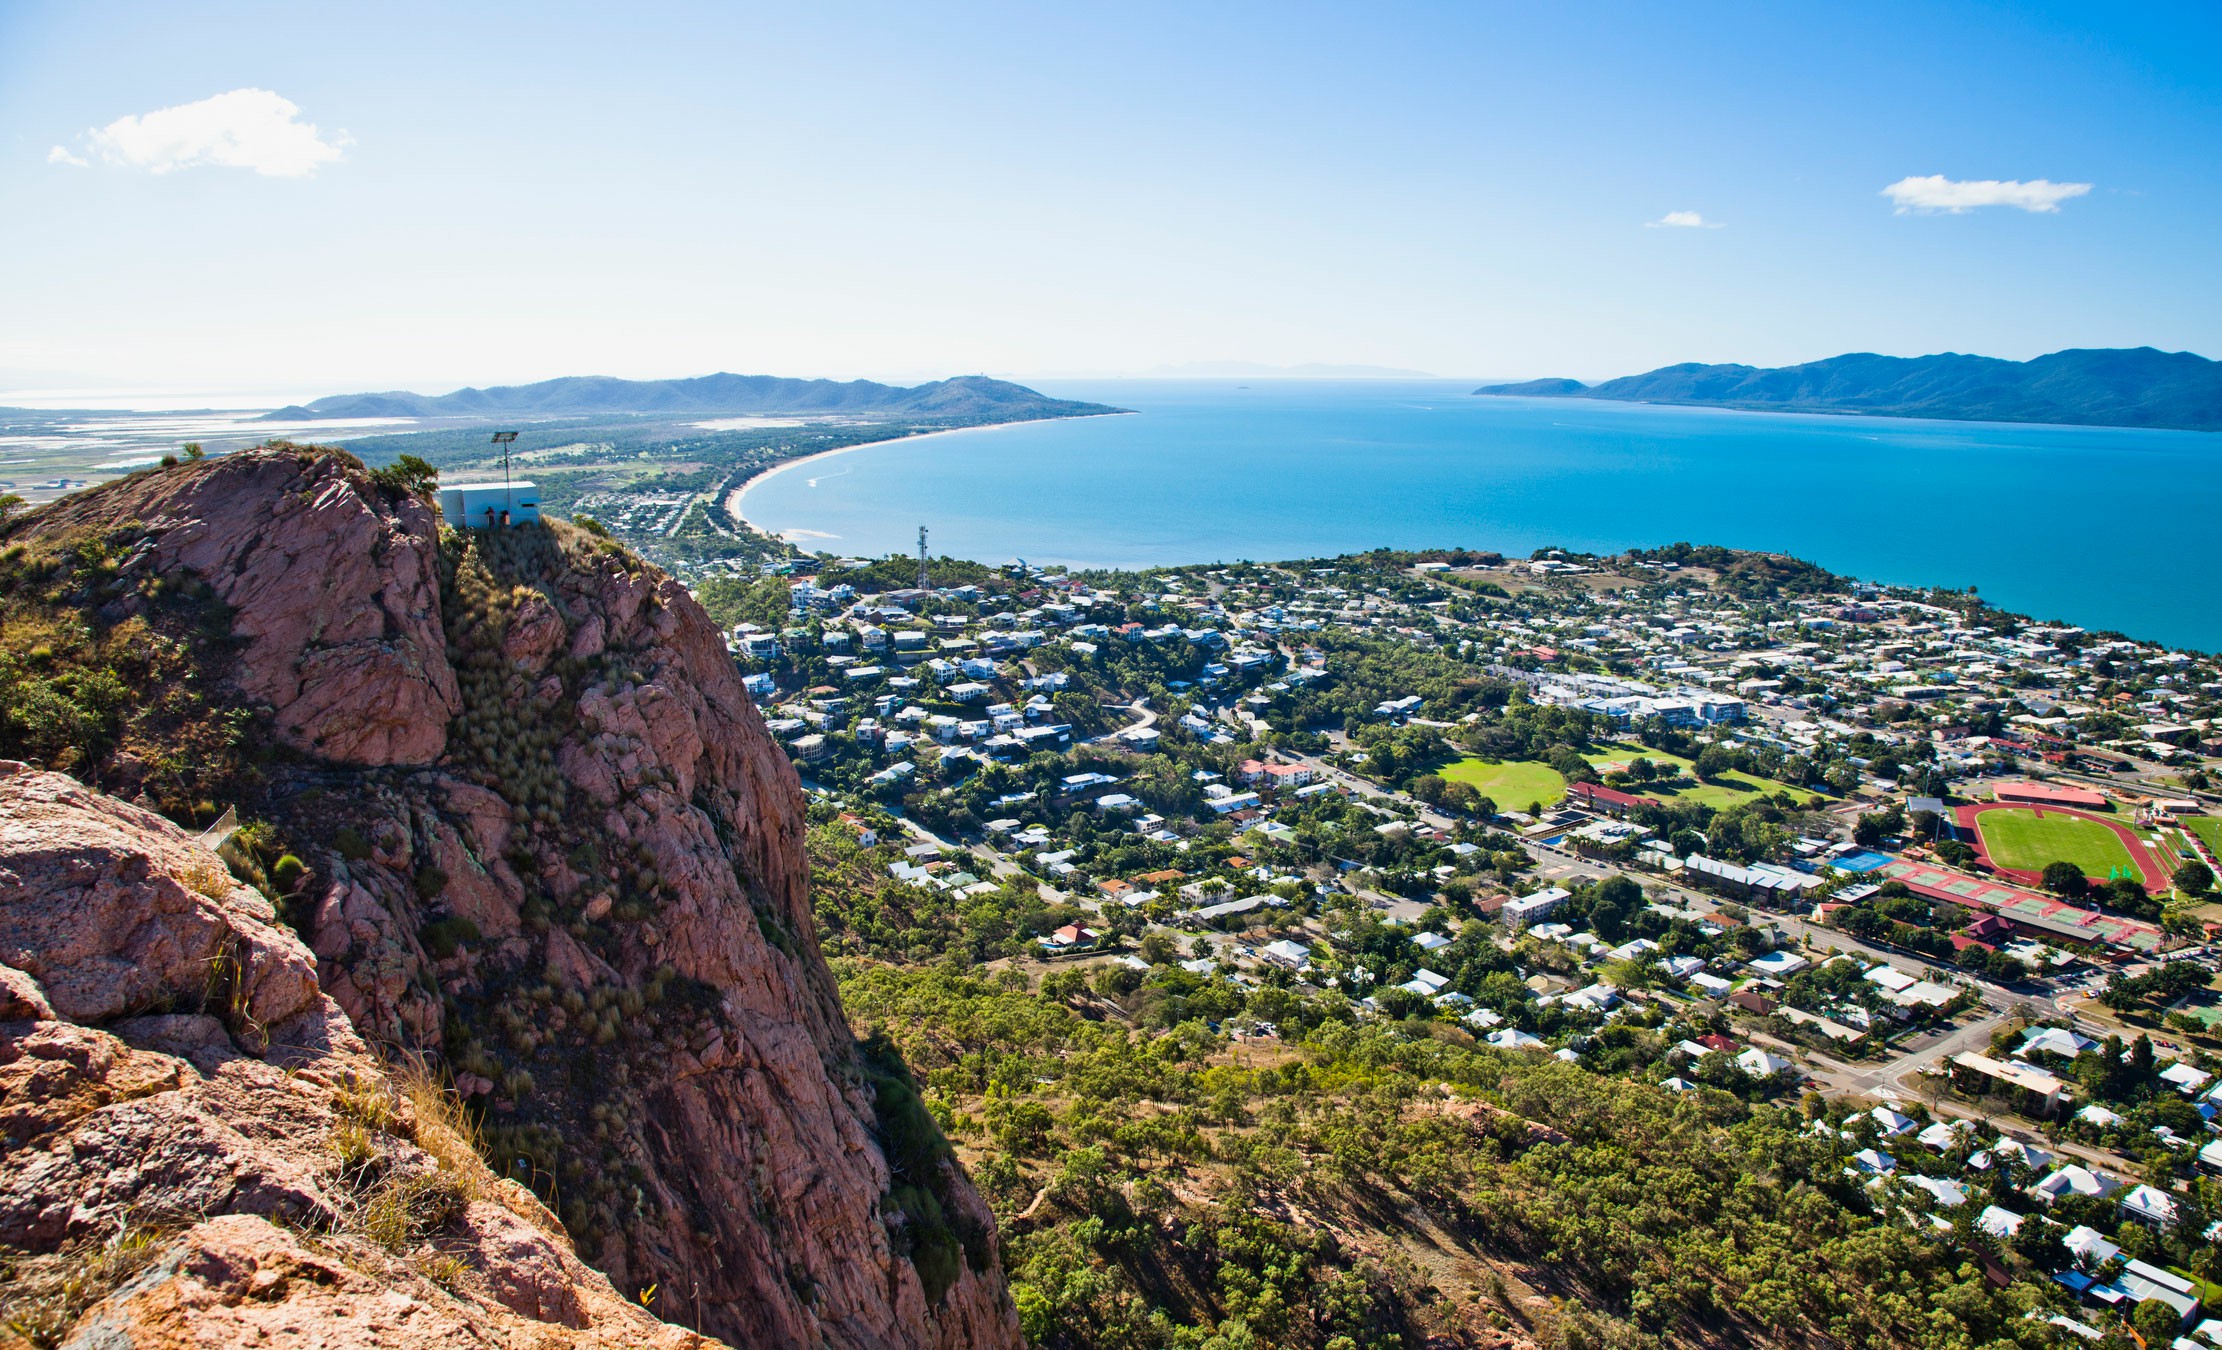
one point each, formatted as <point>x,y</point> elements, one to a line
<point>506,192</point>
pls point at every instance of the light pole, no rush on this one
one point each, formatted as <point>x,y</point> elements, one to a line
<point>505,439</point>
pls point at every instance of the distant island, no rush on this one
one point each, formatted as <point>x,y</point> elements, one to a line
<point>2112,387</point>
<point>973,397</point>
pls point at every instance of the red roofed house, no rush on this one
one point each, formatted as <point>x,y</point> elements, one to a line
<point>1989,928</point>
<point>1070,938</point>
<point>1612,800</point>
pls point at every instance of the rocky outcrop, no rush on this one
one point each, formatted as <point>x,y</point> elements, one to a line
<point>549,845</point>
<point>334,590</point>
<point>197,1149</point>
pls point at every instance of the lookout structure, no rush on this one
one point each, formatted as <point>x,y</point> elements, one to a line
<point>482,506</point>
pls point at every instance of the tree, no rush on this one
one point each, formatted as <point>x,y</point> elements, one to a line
<point>2193,876</point>
<point>2156,1321</point>
<point>193,451</point>
<point>1712,762</point>
<point>1399,1002</point>
<point>2065,878</point>
<point>408,474</point>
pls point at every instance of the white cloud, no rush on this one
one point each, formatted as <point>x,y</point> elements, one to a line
<point>1682,220</point>
<point>59,155</point>
<point>244,129</point>
<point>1959,196</point>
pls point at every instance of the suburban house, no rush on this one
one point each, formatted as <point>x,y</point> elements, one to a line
<point>1072,937</point>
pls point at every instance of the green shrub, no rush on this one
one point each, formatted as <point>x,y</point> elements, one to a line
<point>444,935</point>
<point>407,474</point>
<point>350,843</point>
<point>286,873</point>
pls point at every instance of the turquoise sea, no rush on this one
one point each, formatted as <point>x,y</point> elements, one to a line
<point>2107,528</point>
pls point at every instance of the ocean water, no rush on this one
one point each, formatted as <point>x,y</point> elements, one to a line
<point>2107,528</point>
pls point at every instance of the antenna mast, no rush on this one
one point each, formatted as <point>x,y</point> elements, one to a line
<point>923,583</point>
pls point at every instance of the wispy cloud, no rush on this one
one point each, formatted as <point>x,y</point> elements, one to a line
<point>1681,220</point>
<point>244,129</point>
<point>1957,196</point>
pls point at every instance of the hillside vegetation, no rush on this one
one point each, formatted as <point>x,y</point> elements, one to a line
<point>1373,1183</point>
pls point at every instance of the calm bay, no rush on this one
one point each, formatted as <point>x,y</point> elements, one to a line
<point>2104,527</point>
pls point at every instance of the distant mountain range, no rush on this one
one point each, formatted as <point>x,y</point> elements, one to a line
<point>2114,387</point>
<point>966,397</point>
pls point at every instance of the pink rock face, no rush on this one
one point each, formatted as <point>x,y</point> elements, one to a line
<point>210,1126</point>
<point>114,911</point>
<point>752,1177</point>
<point>333,584</point>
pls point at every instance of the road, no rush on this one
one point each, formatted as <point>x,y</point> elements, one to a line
<point>1144,716</point>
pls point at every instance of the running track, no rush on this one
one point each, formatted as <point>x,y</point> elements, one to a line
<point>2140,852</point>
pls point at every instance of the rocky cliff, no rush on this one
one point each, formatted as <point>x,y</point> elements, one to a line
<point>197,1149</point>
<point>508,789</point>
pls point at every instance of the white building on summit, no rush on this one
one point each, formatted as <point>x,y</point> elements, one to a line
<point>487,505</point>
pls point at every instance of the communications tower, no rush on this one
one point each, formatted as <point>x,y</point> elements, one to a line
<point>923,583</point>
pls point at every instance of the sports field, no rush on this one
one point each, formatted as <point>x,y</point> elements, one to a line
<point>2026,841</point>
<point>2209,830</point>
<point>1511,784</point>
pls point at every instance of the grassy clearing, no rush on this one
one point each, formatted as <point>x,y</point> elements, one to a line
<point>2209,830</point>
<point>1511,784</point>
<point>1726,790</point>
<point>2028,841</point>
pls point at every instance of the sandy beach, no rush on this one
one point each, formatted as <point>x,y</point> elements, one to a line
<point>734,499</point>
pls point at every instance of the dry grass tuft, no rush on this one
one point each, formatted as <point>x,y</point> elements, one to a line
<point>403,1208</point>
<point>444,1129</point>
<point>352,1147</point>
<point>365,1102</point>
<point>442,1269</point>
<point>402,1197</point>
<point>205,872</point>
<point>42,1297</point>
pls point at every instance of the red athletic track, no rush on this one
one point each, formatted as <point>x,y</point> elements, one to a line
<point>2140,852</point>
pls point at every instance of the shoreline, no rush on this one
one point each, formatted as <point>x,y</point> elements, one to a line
<point>740,490</point>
